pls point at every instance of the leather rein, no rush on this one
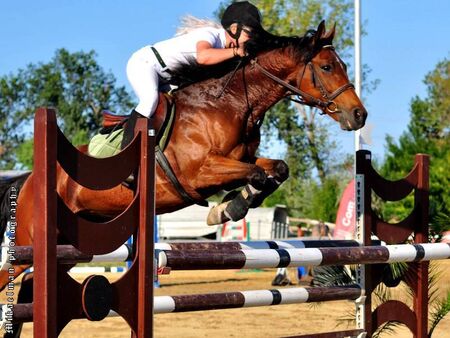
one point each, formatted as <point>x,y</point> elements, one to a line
<point>328,104</point>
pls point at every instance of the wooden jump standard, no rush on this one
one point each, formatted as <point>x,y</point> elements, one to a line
<point>415,226</point>
<point>57,297</point>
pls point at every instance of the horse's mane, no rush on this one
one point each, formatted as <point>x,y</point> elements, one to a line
<point>302,48</point>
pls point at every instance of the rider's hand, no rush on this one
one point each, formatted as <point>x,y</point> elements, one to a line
<point>239,51</point>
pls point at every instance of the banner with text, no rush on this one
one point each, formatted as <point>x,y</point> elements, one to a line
<point>345,219</point>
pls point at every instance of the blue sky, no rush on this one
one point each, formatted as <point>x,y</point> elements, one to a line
<point>406,38</point>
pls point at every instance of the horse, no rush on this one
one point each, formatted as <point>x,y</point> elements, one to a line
<point>216,133</point>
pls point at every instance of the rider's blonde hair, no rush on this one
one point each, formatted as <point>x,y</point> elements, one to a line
<point>189,22</point>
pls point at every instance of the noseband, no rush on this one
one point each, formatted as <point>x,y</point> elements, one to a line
<point>305,98</point>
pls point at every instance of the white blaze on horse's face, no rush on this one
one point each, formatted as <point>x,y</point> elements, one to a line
<point>330,83</point>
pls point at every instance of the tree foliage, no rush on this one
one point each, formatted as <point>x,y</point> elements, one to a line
<point>74,83</point>
<point>428,132</point>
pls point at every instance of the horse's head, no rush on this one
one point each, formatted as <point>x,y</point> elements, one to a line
<point>323,78</point>
<point>310,68</point>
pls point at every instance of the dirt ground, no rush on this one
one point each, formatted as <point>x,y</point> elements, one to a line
<point>275,321</point>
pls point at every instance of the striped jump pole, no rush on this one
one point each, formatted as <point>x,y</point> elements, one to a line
<point>249,245</point>
<point>216,301</point>
<point>270,258</point>
<point>67,254</point>
<point>253,298</point>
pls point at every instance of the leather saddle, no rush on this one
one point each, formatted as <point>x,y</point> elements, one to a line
<point>162,119</point>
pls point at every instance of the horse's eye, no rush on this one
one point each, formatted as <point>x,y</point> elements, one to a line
<point>326,68</point>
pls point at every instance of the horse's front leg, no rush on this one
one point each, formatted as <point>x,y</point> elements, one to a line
<point>235,205</point>
<point>218,172</point>
<point>277,172</point>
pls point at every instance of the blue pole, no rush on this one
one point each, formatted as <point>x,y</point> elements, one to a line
<point>156,283</point>
<point>130,243</point>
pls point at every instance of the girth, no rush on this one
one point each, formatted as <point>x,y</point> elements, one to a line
<point>163,123</point>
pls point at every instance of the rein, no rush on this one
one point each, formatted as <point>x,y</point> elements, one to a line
<point>329,105</point>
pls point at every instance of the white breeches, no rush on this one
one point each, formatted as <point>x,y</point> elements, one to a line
<point>143,73</point>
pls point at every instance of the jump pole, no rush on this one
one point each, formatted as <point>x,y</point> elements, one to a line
<point>224,300</point>
<point>270,258</point>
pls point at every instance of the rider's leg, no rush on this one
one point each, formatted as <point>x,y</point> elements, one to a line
<point>128,129</point>
<point>143,76</point>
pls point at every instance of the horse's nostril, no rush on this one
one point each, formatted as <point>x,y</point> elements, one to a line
<point>358,114</point>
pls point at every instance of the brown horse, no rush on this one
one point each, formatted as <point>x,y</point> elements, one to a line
<point>215,137</point>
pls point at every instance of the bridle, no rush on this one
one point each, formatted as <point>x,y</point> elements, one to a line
<point>305,98</point>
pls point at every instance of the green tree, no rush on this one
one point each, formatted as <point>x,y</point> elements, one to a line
<point>427,132</point>
<point>74,83</point>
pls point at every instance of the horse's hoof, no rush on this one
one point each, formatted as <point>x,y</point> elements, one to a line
<point>258,178</point>
<point>281,171</point>
<point>217,214</point>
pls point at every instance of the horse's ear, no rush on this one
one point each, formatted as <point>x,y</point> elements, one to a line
<point>321,29</point>
<point>319,33</point>
<point>330,35</point>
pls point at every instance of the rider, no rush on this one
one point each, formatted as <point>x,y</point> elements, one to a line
<point>206,45</point>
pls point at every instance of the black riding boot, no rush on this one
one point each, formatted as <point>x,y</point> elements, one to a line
<point>128,132</point>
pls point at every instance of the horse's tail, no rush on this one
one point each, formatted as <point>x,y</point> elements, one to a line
<point>9,190</point>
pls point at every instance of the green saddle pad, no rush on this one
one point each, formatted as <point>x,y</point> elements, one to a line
<point>106,145</point>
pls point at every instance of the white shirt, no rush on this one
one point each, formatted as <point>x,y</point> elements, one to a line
<point>182,48</point>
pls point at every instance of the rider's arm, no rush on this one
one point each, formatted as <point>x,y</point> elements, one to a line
<point>207,55</point>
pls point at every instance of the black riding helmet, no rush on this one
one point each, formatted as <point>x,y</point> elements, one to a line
<point>244,14</point>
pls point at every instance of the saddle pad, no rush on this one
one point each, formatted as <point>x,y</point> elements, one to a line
<point>106,145</point>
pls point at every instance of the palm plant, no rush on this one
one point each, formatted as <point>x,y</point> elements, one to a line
<point>392,275</point>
